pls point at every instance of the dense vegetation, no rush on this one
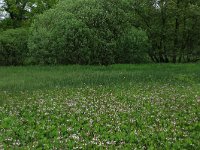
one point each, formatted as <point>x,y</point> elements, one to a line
<point>100,31</point>
<point>114,107</point>
<point>96,34</point>
<point>14,49</point>
<point>173,27</point>
<point>104,105</point>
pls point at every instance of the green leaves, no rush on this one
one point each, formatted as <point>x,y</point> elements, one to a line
<point>7,122</point>
<point>22,11</point>
<point>86,32</point>
<point>13,46</point>
<point>133,46</point>
<point>172,27</point>
<point>137,106</point>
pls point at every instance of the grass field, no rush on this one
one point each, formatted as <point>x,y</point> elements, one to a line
<point>96,107</point>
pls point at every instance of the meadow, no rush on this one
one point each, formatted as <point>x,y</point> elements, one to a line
<point>147,106</point>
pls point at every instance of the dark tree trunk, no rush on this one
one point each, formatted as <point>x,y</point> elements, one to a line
<point>163,36</point>
<point>174,54</point>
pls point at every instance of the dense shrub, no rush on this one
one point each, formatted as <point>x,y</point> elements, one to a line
<point>82,32</point>
<point>133,47</point>
<point>13,46</point>
<point>108,20</point>
<point>59,38</point>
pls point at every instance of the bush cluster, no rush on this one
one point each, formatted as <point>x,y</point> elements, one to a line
<point>86,32</point>
<point>13,46</point>
<point>92,32</point>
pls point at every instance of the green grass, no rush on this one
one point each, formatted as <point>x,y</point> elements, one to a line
<point>96,107</point>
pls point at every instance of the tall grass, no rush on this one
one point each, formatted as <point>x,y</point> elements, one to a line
<point>47,77</point>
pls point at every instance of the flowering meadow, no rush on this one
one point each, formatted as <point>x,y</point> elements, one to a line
<point>98,107</point>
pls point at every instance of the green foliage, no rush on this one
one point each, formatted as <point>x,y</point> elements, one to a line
<point>22,11</point>
<point>82,32</point>
<point>59,38</point>
<point>13,46</point>
<point>133,47</point>
<point>97,107</point>
<point>173,27</point>
<point>104,31</point>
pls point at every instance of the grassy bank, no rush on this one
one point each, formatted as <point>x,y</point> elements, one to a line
<point>115,107</point>
<point>33,78</point>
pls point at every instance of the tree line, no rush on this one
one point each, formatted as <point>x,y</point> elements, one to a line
<point>99,32</point>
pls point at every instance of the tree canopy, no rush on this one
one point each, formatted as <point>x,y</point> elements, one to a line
<point>21,11</point>
<point>105,31</point>
<point>173,27</point>
<point>91,35</point>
